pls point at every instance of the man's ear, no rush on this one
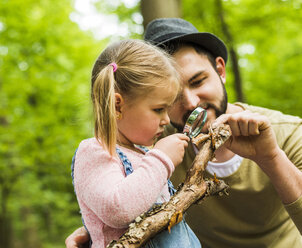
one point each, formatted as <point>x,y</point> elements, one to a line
<point>220,67</point>
<point>119,102</point>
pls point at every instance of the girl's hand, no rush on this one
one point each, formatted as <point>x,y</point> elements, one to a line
<point>174,147</point>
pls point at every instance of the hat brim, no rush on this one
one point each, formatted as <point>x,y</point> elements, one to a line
<point>206,40</point>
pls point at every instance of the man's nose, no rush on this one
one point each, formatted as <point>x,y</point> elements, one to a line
<point>190,100</point>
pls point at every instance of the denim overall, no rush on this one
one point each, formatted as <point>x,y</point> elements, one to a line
<point>181,235</point>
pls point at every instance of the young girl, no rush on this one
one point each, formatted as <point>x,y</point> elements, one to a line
<point>115,178</point>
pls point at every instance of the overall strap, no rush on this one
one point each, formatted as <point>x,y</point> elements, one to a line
<point>128,167</point>
<point>72,167</point>
<point>125,161</point>
<point>172,190</point>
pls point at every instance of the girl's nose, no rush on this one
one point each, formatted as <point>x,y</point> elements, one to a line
<point>165,120</point>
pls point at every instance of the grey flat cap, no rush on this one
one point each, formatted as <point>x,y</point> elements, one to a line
<point>163,30</point>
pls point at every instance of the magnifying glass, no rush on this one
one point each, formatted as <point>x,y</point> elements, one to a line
<point>195,122</point>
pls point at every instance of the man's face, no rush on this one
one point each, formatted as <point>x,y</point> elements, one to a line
<point>202,86</point>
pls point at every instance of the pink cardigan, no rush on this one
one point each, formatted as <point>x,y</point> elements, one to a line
<point>110,201</point>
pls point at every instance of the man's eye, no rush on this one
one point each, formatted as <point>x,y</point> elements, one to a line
<point>197,82</point>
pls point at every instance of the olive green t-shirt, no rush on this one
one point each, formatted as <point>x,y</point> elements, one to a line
<point>252,215</point>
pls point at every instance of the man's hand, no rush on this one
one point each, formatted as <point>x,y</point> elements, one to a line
<point>252,136</point>
<point>78,239</point>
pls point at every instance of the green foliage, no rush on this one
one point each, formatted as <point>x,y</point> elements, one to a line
<point>127,14</point>
<point>45,64</point>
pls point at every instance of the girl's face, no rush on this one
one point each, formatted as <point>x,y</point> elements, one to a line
<point>144,118</point>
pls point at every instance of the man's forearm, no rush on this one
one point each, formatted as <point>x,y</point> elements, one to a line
<point>285,176</point>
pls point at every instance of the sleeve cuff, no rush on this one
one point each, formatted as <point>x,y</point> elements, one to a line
<point>294,210</point>
<point>164,159</point>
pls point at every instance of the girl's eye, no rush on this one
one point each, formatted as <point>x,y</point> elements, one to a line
<point>159,110</point>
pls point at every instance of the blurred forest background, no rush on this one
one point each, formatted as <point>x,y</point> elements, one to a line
<point>47,49</point>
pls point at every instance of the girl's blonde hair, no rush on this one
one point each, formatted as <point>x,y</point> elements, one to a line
<point>141,68</point>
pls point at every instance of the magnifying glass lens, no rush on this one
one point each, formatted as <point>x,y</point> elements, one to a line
<point>195,122</point>
<point>199,121</point>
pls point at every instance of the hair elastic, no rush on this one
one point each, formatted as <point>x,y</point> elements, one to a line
<point>114,65</point>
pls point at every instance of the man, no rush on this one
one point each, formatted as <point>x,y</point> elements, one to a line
<point>261,162</point>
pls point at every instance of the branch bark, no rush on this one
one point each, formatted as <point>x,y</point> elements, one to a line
<point>194,188</point>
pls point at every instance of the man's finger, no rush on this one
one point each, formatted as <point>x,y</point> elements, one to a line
<point>77,238</point>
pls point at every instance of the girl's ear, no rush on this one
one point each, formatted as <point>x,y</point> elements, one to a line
<point>119,102</point>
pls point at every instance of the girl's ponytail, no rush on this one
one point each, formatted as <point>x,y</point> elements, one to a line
<point>103,99</point>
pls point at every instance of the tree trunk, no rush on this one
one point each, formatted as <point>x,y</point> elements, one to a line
<point>152,9</point>
<point>233,55</point>
<point>192,191</point>
<point>5,220</point>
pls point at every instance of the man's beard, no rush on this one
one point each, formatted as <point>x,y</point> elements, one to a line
<point>221,109</point>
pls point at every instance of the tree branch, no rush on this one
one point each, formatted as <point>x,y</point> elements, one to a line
<point>194,188</point>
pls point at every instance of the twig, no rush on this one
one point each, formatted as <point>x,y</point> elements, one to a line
<point>194,188</point>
